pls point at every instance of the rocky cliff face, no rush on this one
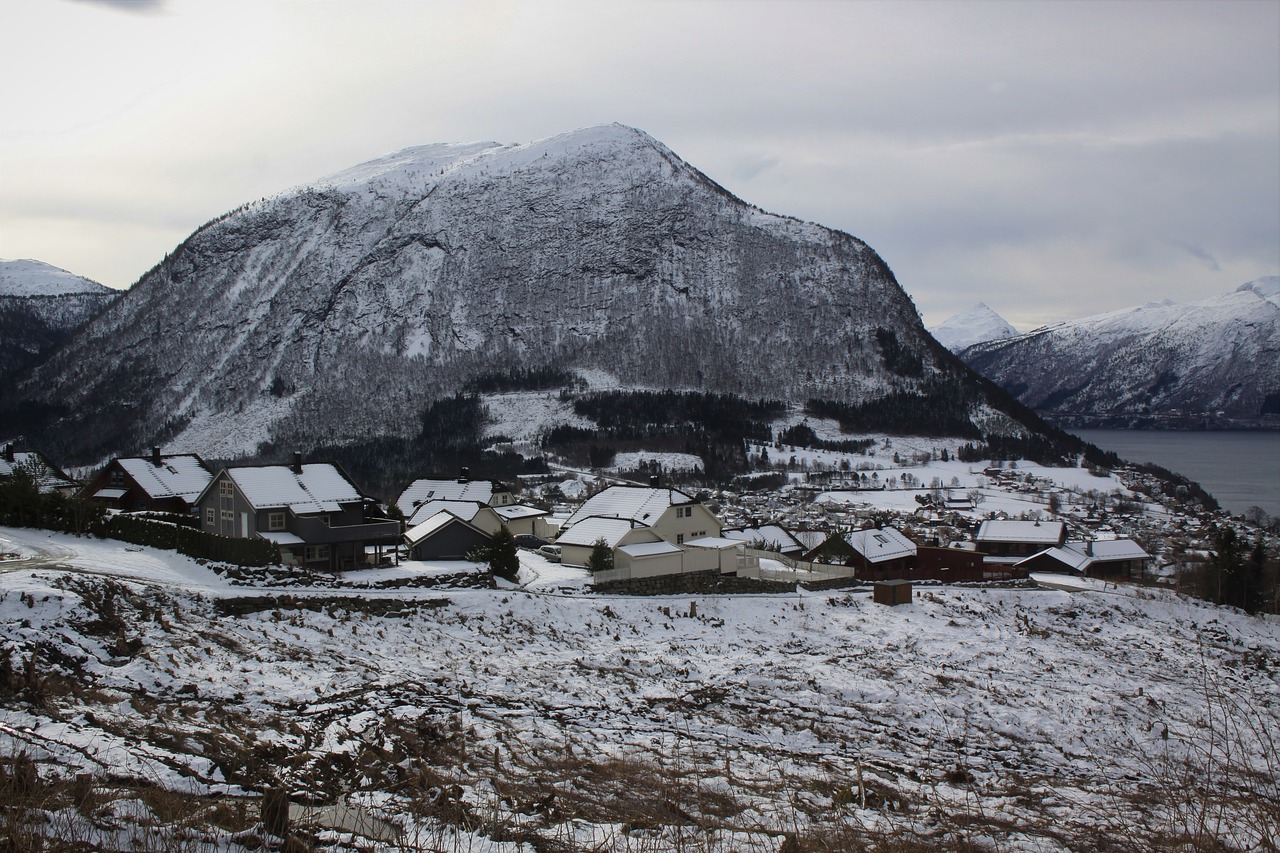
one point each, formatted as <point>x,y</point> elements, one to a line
<point>40,307</point>
<point>1215,362</point>
<point>338,310</point>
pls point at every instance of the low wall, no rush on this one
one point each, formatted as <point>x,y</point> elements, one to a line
<point>709,582</point>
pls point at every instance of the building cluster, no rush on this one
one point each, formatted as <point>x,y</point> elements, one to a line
<point>318,518</point>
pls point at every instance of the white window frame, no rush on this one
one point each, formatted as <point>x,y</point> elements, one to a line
<point>275,520</point>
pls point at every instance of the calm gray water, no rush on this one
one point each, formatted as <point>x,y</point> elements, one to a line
<point>1240,469</point>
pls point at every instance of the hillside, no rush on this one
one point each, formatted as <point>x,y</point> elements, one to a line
<point>474,719</point>
<point>340,311</point>
<point>40,307</point>
<point>1215,362</point>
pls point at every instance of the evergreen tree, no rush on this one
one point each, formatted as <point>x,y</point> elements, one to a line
<point>504,559</point>
<point>601,557</point>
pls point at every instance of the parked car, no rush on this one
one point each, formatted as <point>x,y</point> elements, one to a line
<point>551,552</point>
<point>528,540</point>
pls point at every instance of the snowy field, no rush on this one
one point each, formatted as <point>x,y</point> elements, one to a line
<point>475,719</point>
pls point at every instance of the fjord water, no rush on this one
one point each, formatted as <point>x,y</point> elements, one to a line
<point>1239,468</point>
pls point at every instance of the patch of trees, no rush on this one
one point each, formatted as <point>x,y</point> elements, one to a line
<point>522,379</point>
<point>939,408</point>
<point>897,358</point>
<point>802,435</point>
<point>648,414</point>
<point>1239,575</point>
<point>22,504</point>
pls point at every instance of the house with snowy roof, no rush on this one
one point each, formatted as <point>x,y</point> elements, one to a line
<point>1102,558</point>
<point>155,483</point>
<point>772,537</point>
<point>313,512</point>
<point>48,477</point>
<point>673,515</point>
<point>444,536</point>
<point>1008,542</point>
<point>419,492</point>
<point>619,534</point>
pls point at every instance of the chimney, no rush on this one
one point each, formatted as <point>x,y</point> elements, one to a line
<point>655,481</point>
<point>464,475</point>
<point>8,453</point>
<point>297,461</point>
<point>1088,547</point>
<point>155,456</point>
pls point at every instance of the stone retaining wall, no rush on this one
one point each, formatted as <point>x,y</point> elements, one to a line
<point>709,582</point>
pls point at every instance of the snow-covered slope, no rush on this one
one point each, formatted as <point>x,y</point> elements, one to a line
<point>977,325</point>
<point>338,310</point>
<point>40,305</point>
<point>1215,361</point>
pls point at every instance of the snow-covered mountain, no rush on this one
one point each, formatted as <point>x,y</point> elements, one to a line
<point>1216,361</point>
<point>977,325</point>
<point>338,310</point>
<point>40,305</point>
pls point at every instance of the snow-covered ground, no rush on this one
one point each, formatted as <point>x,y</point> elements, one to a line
<point>1022,718</point>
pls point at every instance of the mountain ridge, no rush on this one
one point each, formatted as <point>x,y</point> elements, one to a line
<point>338,310</point>
<point>1213,362</point>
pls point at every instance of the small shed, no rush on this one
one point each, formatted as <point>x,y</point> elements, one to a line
<point>892,593</point>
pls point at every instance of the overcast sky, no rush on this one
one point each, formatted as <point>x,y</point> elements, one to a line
<point>1050,159</point>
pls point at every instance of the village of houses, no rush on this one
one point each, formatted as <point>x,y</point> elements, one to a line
<point>819,531</point>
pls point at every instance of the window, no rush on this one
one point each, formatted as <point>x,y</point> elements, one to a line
<point>226,489</point>
<point>315,553</point>
<point>679,538</point>
<point>275,521</point>
<point>210,517</point>
<point>117,478</point>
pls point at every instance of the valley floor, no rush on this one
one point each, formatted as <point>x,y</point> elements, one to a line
<point>549,718</point>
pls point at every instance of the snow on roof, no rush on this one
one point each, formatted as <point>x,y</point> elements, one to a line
<point>649,549</point>
<point>320,487</point>
<point>880,545</point>
<point>771,534</point>
<point>718,543</point>
<point>638,503</point>
<point>281,537</point>
<point>1043,532</point>
<point>436,522</point>
<point>590,530</point>
<point>1077,556</point>
<point>466,510</point>
<point>514,511</point>
<point>47,476</point>
<point>421,491</point>
<point>183,476</point>
<point>109,494</point>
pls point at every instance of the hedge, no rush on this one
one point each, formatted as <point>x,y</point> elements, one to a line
<point>141,530</point>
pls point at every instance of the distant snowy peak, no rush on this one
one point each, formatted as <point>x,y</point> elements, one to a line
<point>1164,363</point>
<point>976,326</point>
<point>1267,287</point>
<point>36,278</point>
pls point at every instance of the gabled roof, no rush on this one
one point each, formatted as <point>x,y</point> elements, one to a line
<point>51,477</point>
<point>180,476</point>
<point>437,522</point>
<point>514,511</point>
<point>637,503</point>
<point>1034,532</point>
<point>1076,556</point>
<point>421,491</point>
<point>771,534</point>
<point>590,530</point>
<point>876,546</point>
<point>320,487</point>
<point>466,510</point>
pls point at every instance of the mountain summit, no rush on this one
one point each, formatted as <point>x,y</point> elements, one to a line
<point>338,310</point>
<point>977,325</point>
<point>41,306</point>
